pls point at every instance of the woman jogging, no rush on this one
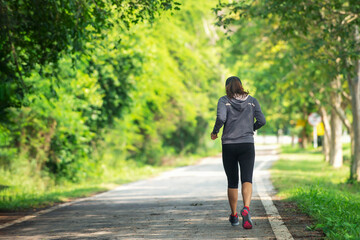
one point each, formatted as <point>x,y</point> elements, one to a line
<point>236,111</point>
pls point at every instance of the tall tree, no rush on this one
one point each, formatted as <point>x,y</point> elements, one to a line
<point>330,26</point>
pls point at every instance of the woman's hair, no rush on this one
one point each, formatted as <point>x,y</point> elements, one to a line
<point>234,87</point>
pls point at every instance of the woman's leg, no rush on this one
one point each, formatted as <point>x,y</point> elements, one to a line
<point>246,161</point>
<point>233,198</point>
<point>246,191</point>
<point>231,168</point>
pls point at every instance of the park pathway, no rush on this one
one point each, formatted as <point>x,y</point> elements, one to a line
<point>185,203</point>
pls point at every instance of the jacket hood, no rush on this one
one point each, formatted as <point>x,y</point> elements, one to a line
<point>239,105</point>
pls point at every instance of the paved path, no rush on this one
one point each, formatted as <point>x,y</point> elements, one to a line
<point>185,203</point>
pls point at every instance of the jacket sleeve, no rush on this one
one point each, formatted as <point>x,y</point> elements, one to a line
<point>259,116</point>
<point>220,115</point>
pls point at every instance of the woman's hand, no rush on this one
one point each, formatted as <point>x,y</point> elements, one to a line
<point>214,136</point>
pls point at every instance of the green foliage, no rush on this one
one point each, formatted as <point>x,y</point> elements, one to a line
<point>321,191</point>
<point>338,223</point>
<point>40,33</point>
<point>134,97</point>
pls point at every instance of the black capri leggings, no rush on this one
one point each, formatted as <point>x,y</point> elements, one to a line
<point>234,154</point>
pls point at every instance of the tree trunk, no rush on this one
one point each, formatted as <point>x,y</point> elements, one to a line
<point>336,157</point>
<point>304,138</point>
<point>327,135</point>
<point>354,85</point>
<point>303,135</point>
<point>355,105</point>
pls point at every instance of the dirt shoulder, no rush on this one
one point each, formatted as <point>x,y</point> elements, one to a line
<point>297,222</point>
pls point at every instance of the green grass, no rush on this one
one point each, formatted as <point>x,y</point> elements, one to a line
<point>28,193</point>
<point>320,191</point>
<point>21,192</point>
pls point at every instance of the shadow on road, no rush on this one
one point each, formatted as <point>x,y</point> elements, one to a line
<point>153,219</point>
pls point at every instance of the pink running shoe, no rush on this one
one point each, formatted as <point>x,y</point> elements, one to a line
<point>234,220</point>
<point>246,223</point>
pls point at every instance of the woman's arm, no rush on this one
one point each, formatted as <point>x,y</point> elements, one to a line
<point>259,116</point>
<point>220,115</point>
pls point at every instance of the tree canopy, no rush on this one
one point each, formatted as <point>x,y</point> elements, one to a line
<point>41,32</point>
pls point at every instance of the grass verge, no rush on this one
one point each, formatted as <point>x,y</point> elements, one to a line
<point>21,193</point>
<point>320,191</point>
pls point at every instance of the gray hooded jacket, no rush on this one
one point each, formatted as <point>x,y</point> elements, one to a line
<point>237,116</point>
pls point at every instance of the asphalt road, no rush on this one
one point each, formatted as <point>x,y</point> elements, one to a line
<point>185,203</point>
